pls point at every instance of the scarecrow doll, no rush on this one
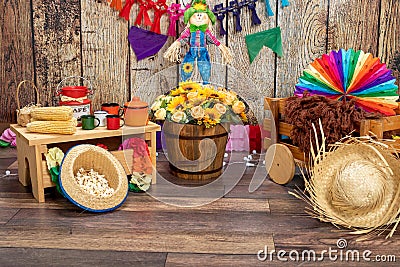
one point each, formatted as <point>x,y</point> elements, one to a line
<point>199,19</point>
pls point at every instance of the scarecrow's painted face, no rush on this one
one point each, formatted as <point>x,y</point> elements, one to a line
<point>199,18</point>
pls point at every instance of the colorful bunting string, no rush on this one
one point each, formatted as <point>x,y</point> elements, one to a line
<point>175,12</point>
<point>144,43</point>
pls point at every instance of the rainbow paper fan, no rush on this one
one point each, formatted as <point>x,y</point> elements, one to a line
<point>345,75</point>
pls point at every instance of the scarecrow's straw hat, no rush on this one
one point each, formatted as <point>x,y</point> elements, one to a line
<point>356,185</point>
<point>101,161</point>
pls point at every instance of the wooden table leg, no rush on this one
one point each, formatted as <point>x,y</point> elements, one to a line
<point>30,170</point>
<point>153,152</point>
<point>23,164</point>
<point>36,171</point>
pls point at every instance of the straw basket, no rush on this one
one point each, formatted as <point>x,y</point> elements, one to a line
<point>101,161</point>
<point>24,114</point>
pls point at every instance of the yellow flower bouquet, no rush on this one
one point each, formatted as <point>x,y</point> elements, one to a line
<point>193,103</point>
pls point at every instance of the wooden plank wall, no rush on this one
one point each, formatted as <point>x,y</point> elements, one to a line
<point>46,41</point>
<point>16,55</point>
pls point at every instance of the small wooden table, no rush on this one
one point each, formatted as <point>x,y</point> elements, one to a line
<point>31,147</point>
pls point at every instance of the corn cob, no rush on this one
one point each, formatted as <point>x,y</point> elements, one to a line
<point>61,113</point>
<point>53,127</point>
<point>72,120</point>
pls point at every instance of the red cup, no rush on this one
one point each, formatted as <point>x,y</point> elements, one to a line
<point>112,108</point>
<point>114,122</point>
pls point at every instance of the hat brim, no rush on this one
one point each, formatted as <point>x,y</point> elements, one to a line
<point>102,161</point>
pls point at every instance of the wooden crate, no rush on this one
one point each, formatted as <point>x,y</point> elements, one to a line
<point>274,110</point>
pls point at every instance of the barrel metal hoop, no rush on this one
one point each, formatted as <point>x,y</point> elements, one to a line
<point>173,168</point>
<point>196,137</point>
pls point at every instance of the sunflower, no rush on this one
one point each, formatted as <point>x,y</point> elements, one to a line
<point>176,91</point>
<point>188,67</point>
<point>214,94</point>
<point>187,87</point>
<point>211,117</point>
<point>206,92</point>
<point>176,103</point>
<point>200,6</point>
<point>222,96</point>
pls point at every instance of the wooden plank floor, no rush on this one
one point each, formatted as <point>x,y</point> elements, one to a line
<point>148,232</point>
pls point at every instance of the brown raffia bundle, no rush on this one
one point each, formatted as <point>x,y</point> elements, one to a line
<point>355,185</point>
<point>339,118</point>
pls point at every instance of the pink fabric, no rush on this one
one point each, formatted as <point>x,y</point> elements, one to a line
<point>175,12</point>
<point>238,139</point>
<point>9,137</point>
<point>141,155</point>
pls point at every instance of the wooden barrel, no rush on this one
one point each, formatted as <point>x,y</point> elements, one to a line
<point>194,151</point>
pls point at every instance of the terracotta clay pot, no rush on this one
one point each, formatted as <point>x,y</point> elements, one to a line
<point>136,112</point>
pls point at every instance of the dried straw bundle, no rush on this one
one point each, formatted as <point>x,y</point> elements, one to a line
<point>24,114</point>
<point>355,185</point>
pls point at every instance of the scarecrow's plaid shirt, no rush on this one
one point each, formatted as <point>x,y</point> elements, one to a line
<point>209,37</point>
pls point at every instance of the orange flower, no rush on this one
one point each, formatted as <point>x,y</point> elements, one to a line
<point>243,117</point>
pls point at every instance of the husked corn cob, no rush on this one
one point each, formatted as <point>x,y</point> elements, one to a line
<point>72,120</point>
<point>53,127</point>
<point>61,113</point>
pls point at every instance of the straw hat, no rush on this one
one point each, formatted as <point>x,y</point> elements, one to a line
<point>356,185</point>
<point>101,161</point>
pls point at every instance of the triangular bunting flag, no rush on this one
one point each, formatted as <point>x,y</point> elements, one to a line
<point>145,43</point>
<point>270,38</point>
